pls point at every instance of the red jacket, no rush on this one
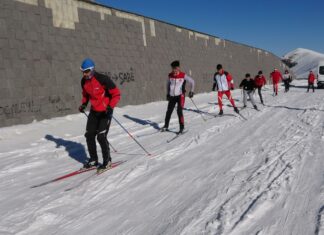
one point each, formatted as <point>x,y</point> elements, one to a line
<point>260,81</point>
<point>311,78</point>
<point>276,76</point>
<point>100,91</point>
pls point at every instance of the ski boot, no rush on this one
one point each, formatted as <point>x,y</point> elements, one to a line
<point>90,163</point>
<point>163,129</point>
<point>236,110</point>
<point>221,112</point>
<point>181,129</point>
<point>106,165</point>
<point>255,107</point>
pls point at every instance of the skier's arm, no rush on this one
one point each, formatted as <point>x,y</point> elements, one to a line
<point>215,83</point>
<point>264,81</point>
<point>230,81</point>
<point>111,90</point>
<point>115,97</point>
<point>168,86</point>
<point>85,95</point>
<point>191,81</point>
<point>242,83</point>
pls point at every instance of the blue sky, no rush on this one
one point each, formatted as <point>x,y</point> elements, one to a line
<point>273,25</point>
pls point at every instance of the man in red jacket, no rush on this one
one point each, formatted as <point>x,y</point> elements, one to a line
<point>224,83</point>
<point>276,78</point>
<point>311,80</point>
<point>103,96</point>
<point>260,81</point>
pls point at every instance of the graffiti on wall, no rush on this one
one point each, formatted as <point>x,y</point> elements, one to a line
<point>122,77</point>
<point>30,106</point>
<point>19,108</point>
<point>58,104</point>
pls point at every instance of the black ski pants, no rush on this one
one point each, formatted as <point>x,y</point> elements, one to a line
<point>287,85</point>
<point>260,94</point>
<point>310,85</point>
<point>173,100</point>
<point>98,126</point>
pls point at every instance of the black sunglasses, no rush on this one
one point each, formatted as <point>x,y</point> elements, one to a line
<point>86,71</point>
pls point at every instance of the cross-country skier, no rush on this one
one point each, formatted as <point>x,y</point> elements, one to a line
<point>287,80</point>
<point>248,86</point>
<point>260,81</point>
<point>176,94</point>
<point>311,80</point>
<point>103,96</point>
<point>276,77</point>
<point>224,83</point>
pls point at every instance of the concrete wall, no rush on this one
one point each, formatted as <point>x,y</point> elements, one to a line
<point>42,43</point>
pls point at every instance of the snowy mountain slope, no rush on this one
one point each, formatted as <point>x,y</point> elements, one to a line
<point>306,60</point>
<point>224,176</point>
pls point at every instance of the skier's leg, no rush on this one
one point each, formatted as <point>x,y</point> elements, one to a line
<point>230,98</point>
<point>244,97</point>
<point>220,97</point>
<point>103,127</point>
<point>260,94</point>
<point>180,105</point>
<point>308,87</point>
<point>251,95</point>
<point>171,105</point>
<point>91,132</point>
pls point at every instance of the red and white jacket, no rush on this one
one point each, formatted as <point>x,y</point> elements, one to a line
<point>311,77</point>
<point>100,91</point>
<point>176,83</point>
<point>260,81</point>
<point>223,81</point>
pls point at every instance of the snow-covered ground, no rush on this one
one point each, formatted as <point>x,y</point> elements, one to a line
<point>224,176</point>
<point>306,60</point>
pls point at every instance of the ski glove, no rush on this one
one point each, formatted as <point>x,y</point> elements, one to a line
<point>109,111</point>
<point>191,94</point>
<point>82,108</point>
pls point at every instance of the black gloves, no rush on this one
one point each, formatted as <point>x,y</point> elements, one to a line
<point>168,97</point>
<point>109,111</point>
<point>82,108</point>
<point>191,94</point>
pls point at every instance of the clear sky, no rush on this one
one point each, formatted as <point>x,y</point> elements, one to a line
<point>279,26</point>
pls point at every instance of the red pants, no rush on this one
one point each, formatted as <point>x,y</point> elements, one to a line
<point>275,88</point>
<point>220,97</point>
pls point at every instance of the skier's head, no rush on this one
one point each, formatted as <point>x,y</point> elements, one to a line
<point>311,71</point>
<point>87,67</point>
<point>248,76</point>
<point>260,72</point>
<point>175,65</point>
<point>286,71</point>
<point>219,68</point>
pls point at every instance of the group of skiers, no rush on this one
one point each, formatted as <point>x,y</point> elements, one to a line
<point>104,95</point>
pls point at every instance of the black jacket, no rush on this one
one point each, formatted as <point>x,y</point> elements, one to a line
<point>247,85</point>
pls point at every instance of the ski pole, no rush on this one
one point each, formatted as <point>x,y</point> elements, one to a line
<point>131,136</point>
<point>198,110</point>
<point>108,141</point>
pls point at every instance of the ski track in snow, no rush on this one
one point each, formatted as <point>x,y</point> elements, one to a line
<point>224,176</point>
